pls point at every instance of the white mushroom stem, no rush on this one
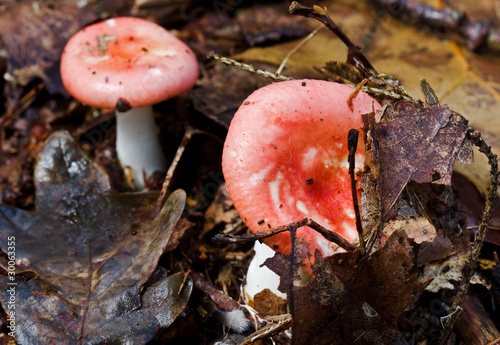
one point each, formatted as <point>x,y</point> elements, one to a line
<point>137,143</point>
<point>260,277</point>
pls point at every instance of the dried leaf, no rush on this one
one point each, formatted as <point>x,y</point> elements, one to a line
<point>418,229</point>
<point>352,304</point>
<point>420,144</point>
<point>446,272</point>
<point>34,34</point>
<point>95,253</point>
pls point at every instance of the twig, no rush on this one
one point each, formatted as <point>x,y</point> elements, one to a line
<point>354,55</point>
<point>20,106</point>
<point>352,144</point>
<point>247,67</point>
<point>291,270</point>
<point>189,132</point>
<point>275,325</point>
<point>477,34</point>
<point>470,264</point>
<point>297,47</point>
<point>221,300</point>
<point>251,237</point>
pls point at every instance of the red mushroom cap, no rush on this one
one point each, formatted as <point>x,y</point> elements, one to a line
<point>128,58</point>
<point>285,158</point>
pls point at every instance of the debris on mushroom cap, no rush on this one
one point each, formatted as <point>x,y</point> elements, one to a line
<point>285,158</point>
<point>126,58</point>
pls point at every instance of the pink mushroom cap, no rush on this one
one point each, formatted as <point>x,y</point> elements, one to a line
<point>128,58</point>
<point>285,158</point>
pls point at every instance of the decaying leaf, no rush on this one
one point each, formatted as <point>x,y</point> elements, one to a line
<point>418,229</point>
<point>420,144</point>
<point>446,272</point>
<point>34,34</point>
<point>352,303</point>
<point>95,254</point>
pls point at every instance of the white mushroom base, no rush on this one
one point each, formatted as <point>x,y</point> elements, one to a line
<point>137,144</point>
<point>260,277</point>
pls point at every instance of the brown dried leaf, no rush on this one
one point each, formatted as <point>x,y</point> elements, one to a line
<point>95,253</point>
<point>444,273</point>
<point>418,229</point>
<point>346,303</point>
<point>267,303</point>
<point>420,144</point>
<point>220,211</point>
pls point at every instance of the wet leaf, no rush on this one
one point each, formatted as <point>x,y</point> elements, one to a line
<point>94,252</point>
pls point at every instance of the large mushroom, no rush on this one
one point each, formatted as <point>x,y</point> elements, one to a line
<point>129,64</point>
<point>286,158</point>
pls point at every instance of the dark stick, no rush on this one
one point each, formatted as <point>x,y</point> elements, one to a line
<point>352,145</point>
<point>354,55</point>
<point>471,263</point>
<point>250,237</point>
<point>477,34</point>
<point>291,274</point>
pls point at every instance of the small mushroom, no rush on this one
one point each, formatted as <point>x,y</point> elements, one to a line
<point>286,158</point>
<point>129,64</point>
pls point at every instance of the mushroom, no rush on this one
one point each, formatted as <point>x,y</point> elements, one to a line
<point>129,64</point>
<point>259,277</point>
<point>285,158</point>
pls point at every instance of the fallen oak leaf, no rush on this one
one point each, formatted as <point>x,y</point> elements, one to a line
<point>421,144</point>
<point>94,251</point>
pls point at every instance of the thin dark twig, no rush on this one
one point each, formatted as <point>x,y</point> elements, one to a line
<point>470,264</point>
<point>291,274</point>
<point>352,145</point>
<point>251,237</point>
<point>355,56</point>
<point>165,189</point>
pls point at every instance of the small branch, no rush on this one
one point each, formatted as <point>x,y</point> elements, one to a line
<point>354,55</point>
<point>352,144</point>
<point>297,47</point>
<point>221,300</point>
<point>470,264</point>
<point>247,67</point>
<point>477,34</point>
<point>251,237</point>
<point>276,324</point>
<point>165,189</point>
<point>291,270</point>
